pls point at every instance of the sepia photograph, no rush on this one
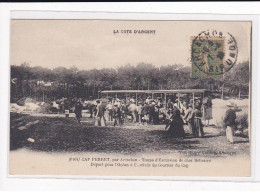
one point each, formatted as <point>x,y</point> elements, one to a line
<point>130,97</point>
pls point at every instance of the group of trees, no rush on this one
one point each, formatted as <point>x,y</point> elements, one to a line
<point>71,82</point>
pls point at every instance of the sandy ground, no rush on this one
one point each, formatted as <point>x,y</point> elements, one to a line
<point>65,134</point>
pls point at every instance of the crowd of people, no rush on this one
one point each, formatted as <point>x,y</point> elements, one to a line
<point>174,113</point>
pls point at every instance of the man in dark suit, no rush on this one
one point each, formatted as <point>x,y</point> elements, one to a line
<point>230,121</point>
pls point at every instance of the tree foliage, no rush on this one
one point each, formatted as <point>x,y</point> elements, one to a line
<point>72,82</point>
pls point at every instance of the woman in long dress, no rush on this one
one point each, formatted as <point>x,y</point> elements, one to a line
<point>198,127</point>
<point>176,125</point>
<point>207,109</point>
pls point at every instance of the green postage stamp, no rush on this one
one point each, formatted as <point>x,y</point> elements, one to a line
<point>212,54</point>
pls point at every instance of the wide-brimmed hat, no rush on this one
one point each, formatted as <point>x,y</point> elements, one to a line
<point>231,104</point>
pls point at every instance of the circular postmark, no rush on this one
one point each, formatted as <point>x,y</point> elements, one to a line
<point>213,53</point>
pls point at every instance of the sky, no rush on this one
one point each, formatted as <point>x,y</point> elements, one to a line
<point>90,44</point>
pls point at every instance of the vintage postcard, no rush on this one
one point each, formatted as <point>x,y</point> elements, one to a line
<point>130,98</point>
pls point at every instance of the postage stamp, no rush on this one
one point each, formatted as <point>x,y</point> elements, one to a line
<point>213,53</point>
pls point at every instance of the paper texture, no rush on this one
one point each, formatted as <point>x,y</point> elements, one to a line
<point>130,98</point>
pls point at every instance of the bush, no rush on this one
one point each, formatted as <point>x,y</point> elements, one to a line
<point>242,121</point>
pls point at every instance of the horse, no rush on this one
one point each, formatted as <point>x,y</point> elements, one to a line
<point>132,110</point>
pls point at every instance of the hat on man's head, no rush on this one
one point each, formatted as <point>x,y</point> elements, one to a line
<point>231,104</point>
